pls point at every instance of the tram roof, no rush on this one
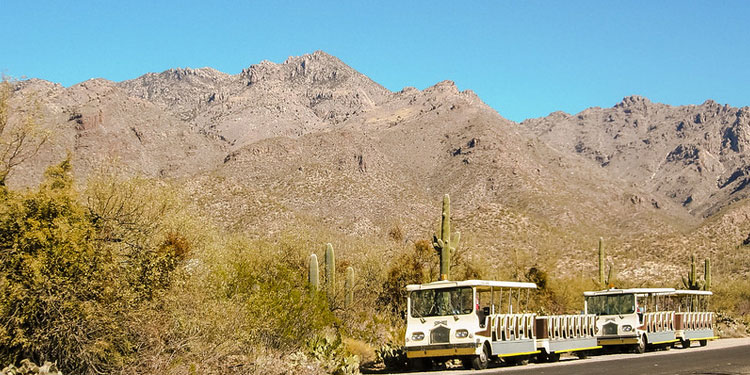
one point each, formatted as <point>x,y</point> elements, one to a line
<point>693,292</point>
<point>663,291</point>
<point>470,283</point>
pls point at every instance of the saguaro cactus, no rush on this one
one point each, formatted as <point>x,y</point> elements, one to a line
<point>611,276</point>
<point>446,245</point>
<point>312,274</point>
<point>692,282</point>
<point>601,262</point>
<point>349,286</point>
<point>707,275</point>
<point>330,270</point>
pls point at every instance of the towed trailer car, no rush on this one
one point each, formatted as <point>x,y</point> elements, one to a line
<point>693,321</point>
<point>632,317</point>
<point>478,320</point>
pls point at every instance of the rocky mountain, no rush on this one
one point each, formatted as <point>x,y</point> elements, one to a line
<point>312,143</point>
<point>303,95</point>
<point>100,125</point>
<point>692,155</point>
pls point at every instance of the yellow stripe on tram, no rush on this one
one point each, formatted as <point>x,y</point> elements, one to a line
<point>578,349</point>
<point>664,342</point>
<point>516,354</point>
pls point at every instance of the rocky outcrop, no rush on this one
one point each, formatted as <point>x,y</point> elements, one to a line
<point>682,153</point>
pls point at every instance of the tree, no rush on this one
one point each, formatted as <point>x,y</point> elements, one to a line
<point>54,285</point>
<point>20,134</point>
<point>73,275</point>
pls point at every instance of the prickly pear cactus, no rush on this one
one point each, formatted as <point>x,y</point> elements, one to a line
<point>28,368</point>
<point>446,245</point>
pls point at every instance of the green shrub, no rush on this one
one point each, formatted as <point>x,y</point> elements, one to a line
<point>66,288</point>
<point>412,267</point>
<point>55,284</point>
<point>418,265</point>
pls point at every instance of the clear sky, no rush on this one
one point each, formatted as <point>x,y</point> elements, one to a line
<point>524,58</point>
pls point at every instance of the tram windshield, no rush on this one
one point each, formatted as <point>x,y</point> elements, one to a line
<point>440,302</point>
<point>613,304</point>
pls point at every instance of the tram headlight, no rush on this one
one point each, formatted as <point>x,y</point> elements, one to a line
<point>462,333</point>
<point>417,336</point>
<point>627,328</point>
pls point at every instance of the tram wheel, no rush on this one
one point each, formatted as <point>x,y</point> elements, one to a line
<point>553,357</point>
<point>685,343</point>
<point>420,364</point>
<point>640,347</point>
<point>517,361</point>
<point>703,342</point>
<point>480,362</point>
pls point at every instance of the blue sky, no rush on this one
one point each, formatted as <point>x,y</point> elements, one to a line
<point>524,58</point>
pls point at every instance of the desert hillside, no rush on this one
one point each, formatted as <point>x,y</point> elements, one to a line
<point>312,142</point>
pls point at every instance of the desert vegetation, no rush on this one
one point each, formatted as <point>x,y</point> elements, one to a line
<point>124,276</point>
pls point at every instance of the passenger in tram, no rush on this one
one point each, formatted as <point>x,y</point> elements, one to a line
<point>641,310</point>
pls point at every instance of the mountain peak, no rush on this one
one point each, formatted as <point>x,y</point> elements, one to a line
<point>180,73</point>
<point>633,101</point>
<point>317,67</point>
<point>317,56</point>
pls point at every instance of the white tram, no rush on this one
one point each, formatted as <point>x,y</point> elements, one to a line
<point>633,317</point>
<point>479,320</point>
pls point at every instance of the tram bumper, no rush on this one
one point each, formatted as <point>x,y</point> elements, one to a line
<point>618,340</point>
<point>443,350</point>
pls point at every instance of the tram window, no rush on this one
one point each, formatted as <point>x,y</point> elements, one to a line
<point>611,304</point>
<point>441,302</point>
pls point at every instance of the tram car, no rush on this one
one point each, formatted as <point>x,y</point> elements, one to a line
<point>635,318</point>
<point>693,322</point>
<point>652,317</point>
<point>477,321</point>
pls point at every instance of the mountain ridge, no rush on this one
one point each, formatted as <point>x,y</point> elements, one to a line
<point>313,142</point>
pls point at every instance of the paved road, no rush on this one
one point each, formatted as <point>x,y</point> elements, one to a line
<point>722,357</point>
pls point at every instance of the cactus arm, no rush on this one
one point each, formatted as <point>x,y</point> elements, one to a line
<point>693,277</point>
<point>610,275</point>
<point>445,245</point>
<point>691,281</point>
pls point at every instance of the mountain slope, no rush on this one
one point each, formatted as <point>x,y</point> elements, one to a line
<point>102,126</point>
<point>312,143</point>
<point>692,155</point>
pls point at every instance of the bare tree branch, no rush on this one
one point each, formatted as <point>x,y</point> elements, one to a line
<point>20,136</point>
